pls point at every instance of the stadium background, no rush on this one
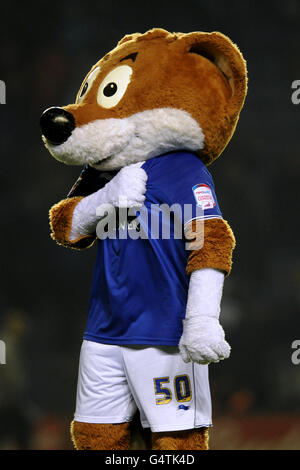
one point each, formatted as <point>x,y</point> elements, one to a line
<point>46,49</point>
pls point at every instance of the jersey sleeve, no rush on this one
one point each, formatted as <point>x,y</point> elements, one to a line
<point>183,181</point>
<point>198,198</point>
<point>210,238</point>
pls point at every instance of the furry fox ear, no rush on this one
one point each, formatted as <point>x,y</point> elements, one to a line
<point>221,51</point>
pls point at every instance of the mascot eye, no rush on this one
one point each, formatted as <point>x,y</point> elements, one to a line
<point>87,84</point>
<point>110,89</point>
<point>114,86</point>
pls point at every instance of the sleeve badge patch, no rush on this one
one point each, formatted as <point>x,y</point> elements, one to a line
<point>204,197</point>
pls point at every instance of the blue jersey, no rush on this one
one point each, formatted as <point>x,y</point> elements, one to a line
<point>140,286</point>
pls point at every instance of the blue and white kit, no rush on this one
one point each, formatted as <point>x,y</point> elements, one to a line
<point>139,290</point>
<point>129,356</point>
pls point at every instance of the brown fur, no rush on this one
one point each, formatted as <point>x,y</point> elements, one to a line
<point>201,73</point>
<point>192,439</point>
<point>88,436</point>
<point>205,75</point>
<point>216,252</point>
<point>61,222</point>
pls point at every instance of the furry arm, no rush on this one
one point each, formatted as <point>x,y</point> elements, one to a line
<point>217,248</point>
<point>203,339</point>
<point>61,222</point>
<point>73,221</point>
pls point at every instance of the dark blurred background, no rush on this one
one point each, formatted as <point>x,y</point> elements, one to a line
<point>46,50</point>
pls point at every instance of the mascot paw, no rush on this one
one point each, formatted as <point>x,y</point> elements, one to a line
<point>203,341</point>
<point>128,187</point>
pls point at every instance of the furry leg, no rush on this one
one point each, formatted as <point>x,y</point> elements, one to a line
<point>89,436</point>
<point>192,439</point>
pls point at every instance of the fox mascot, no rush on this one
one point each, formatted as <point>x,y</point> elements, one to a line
<point>149,118</point>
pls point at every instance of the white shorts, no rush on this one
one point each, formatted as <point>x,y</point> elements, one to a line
<point>115,380</point>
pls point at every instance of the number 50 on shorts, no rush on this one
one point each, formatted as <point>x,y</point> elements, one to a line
<point>181,387</point>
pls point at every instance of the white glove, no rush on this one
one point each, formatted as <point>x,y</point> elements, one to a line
<point>126,189</point>
<point>203,338</point>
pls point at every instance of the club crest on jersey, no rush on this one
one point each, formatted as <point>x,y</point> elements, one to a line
<point>204,197</point>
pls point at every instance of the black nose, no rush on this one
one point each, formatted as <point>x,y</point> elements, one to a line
<point>57,125</point>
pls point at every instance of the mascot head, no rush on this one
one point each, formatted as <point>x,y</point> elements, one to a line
<point>154,93</point>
